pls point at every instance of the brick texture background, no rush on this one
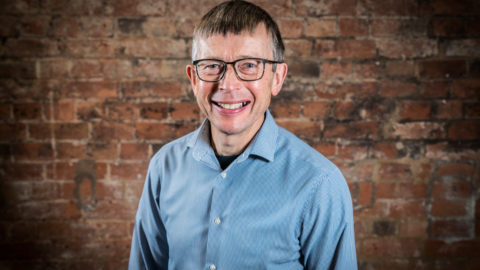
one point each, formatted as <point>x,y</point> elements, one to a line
<point>387,89</point>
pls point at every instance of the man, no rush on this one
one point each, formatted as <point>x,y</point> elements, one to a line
<point>241,192</point>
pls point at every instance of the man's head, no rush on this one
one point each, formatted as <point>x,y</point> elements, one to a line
<point>236,17</point>
<point>236,70</point>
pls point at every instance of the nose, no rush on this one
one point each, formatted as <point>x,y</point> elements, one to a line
<point>230,79</point>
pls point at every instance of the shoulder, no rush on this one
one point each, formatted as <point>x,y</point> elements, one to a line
<point>173,148</point>
<point>304,155</point>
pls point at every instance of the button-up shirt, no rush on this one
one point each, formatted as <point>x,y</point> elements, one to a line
<point>279,205</point>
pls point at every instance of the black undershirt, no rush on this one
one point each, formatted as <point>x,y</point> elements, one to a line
<point>225,160</point>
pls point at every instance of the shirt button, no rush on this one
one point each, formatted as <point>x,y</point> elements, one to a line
<point>212,267</point>
<point>224,174</point>
<point>217,221</point>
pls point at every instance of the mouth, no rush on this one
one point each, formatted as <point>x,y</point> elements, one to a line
<point>231,106</point>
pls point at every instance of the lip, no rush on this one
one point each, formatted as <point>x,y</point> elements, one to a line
<point>225,111</point>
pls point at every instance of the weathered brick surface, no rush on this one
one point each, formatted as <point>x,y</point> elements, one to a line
<point>388,90</point>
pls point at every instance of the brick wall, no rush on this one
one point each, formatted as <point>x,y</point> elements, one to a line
<point>387,89</point>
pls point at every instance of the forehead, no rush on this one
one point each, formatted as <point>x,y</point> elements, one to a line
<point>256,43</point>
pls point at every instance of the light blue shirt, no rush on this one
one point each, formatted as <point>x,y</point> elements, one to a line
<point>279,205</point>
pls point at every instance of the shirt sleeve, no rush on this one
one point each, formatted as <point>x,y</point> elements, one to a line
<point>149,248</point>
<point>327,236</point>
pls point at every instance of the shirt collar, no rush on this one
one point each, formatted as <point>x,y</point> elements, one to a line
<point>263,145</point>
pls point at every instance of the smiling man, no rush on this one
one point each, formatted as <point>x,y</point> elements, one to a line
<point>241,192</point>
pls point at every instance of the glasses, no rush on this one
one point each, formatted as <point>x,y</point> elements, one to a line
<point>247,69</point>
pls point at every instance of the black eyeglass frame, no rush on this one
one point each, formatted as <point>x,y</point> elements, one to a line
<point>264,61</point>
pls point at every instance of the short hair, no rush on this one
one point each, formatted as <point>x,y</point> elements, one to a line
<point>235,17</point>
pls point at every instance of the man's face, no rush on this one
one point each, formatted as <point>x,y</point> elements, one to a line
<point>246,101</point>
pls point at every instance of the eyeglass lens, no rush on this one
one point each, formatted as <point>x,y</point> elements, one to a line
<point>246,69</point>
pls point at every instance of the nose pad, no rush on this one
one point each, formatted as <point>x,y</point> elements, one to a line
<point>230,78</point>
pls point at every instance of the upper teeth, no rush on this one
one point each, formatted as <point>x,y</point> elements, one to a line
<point>232,106</point>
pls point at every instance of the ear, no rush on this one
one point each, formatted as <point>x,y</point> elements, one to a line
<point>279,78</point>
<point>192,76</point>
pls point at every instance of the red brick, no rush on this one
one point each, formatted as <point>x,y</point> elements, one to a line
<point>384,150</point>
<point>325,148</point>
<point>449,8</point>
<point>325,7</point>
<point>407,48</point>
<point>352,130</point>
<point>418,130</point>
<point>5,112</point>
<point>456,169</point>
<point>112,131</point>
<point>31,48</point>
<point>21,171</point>
<point>42,210</point>
<point>117,69</point>
<point>122,110</point>
<point>40,131</point>
<point>190,111</point>
<point>89,110</point>
<point>53,68</point>
<point>97,28</point>
<point>185,9</point>
<point>402,209</point>
<point>385,190</point>
<point>86,69</point>
<point>400,68</point>
<point>26,111</point>
<point>347,49</point>
<point>11,132</point>
<point>136,8</point>
<point>320,27</point>
<point>153,69</point>
<point>91,47</point>
<point>464,47</point>
<point>8,25</point>
<point>71,131</point>
<point>392,89</point>
<point>113,209</point>
<point>317,109</point>
<point>277,8</point>
<point>452,189</point>
<point>391,171</point>
<point>352,151</point>
<point>33,151</point>
<point>17,70</point>
<point>290,27</point>
<point>378,210</point>
<point>336,70</point>
<point>442,68</point>
<point>413,228</point>
<point>472,110</point>
<point>65,27</point>
<point>435,89</point>
<point>133,190</point>
<point>303,128</point>
<point>449,109</point>
<point>63,110</point>
<point>70,151</point>
<point>411,190</point>
<point>344,110</point>
<point>446,151</point>
<point>158,47</point>
<point>448,27</point>
<point>134,151</point>
<point>466,88</point>
<point>449,208</point>
<point>102,150</point>
<point>364,71</point>
<point>77,89</point>
<point>157,111</point>
<point>34,25</point>
<point>154,89</point>
<point>365,193</point>
<point>464,130</point>
<point>353,27</point>
<point>415,110</point>
<point>129,171</point>
<point>162,26</point>
<point>391,248</point>
<point>388,7</point>
<point>161,131</point>
<point>298,48</point>
<point>452,249</point>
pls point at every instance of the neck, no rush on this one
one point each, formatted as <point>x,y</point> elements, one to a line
<point>233,144</point>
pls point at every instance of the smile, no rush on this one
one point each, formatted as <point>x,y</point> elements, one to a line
<point>231,106</point>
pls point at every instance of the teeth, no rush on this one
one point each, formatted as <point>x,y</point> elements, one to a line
<point>232,106</point>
